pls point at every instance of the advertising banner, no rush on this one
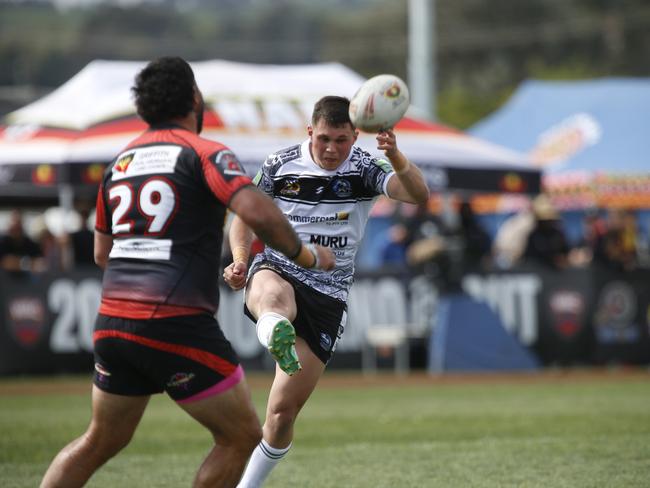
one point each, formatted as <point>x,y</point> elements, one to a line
<point>46,321</point>
<point>572,317</point>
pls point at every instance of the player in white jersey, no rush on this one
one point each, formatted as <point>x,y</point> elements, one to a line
<point>325,186</point>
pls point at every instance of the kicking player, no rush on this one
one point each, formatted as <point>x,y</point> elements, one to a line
<point>160,214</point>
<point>325,186</point>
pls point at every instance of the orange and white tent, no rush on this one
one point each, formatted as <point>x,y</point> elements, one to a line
<point>70,135</point>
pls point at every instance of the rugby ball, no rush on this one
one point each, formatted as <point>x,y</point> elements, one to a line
<point>379,103</point>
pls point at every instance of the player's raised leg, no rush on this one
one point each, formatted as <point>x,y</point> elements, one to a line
<point>287,397</point>
<point>114,419</point>
<point>232,420</point>
<point>272,301</point>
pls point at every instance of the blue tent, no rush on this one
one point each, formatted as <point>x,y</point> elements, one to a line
<point>600,125</point>
<point>469,336</point>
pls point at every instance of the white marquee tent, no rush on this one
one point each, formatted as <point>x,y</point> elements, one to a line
<point>68,136</point>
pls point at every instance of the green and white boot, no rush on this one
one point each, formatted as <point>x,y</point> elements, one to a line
<point>282,346</point>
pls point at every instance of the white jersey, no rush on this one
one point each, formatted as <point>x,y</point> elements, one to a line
<point>324,207</point>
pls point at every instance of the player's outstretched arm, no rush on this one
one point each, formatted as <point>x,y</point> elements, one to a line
<point>257,211</point>
<point>409,184</point>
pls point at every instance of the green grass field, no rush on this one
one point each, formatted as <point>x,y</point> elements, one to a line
<point>582,431</point>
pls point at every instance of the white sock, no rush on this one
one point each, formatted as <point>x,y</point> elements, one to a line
<point>265,325</point>
<point>262,461</point>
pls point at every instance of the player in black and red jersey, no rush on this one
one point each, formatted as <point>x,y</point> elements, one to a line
<point>160,215</point>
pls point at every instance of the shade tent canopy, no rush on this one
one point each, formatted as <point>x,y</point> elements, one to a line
<point>589,137</point>
<point>70,134</point>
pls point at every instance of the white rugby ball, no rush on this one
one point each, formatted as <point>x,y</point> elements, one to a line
<point>379,104</point>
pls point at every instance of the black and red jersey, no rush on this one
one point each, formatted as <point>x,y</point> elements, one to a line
<point>164,202</point>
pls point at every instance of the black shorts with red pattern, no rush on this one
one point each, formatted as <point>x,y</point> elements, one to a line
<point>188,357</point>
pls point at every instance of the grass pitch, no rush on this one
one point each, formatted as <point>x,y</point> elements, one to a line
<point>557,430</point>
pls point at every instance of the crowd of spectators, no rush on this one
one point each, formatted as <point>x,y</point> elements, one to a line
<point>444,244</point>
<point>18,251</point>
<point>429,242</point>
<point>613,240</point>
<point>441,246</point>
<point>45,247</point>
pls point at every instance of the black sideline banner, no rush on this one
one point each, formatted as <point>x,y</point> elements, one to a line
<point>573,317</point>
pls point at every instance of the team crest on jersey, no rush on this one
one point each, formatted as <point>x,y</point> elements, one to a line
<point>342,188</point>
<point>342,215</point>
<point>228,164</point>
<point>291,188</point>
<point>123,163</point>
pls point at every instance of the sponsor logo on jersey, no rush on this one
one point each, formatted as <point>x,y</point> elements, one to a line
<point>102,375</point>
<point>102,370</point>
<point>385,166</point>
<point>146,161</point>
<point>228,164</point>
<point>267,185</point>
<point>342,188</point>
<point>180,380</point>
<point>141,248</point>
<point>314,219</point>
<point>336,242</point>
<point>291,188</point>
<point>325,341</point>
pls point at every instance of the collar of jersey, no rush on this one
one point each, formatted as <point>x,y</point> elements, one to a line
<point>166,125</point>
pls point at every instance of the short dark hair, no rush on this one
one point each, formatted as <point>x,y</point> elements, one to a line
<point>164,90</point>
<point>334,110</point>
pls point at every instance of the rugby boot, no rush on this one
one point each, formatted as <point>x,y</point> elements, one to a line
<point>282,347</point>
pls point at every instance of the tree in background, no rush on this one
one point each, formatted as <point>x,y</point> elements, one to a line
<point>483,49</point>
